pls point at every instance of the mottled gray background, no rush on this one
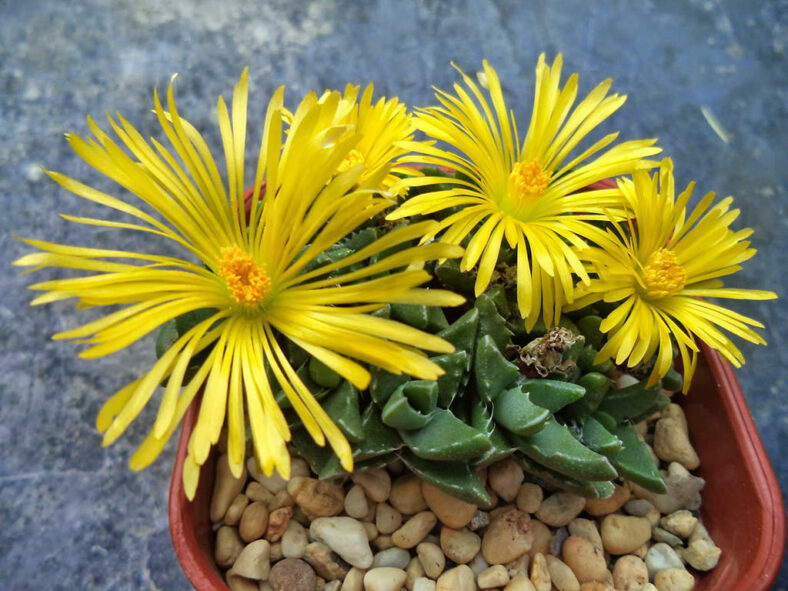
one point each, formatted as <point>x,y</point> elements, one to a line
<point>72,516</point>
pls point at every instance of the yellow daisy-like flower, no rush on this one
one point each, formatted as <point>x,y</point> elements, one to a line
<point>383,126</point>
<point>658,264</point>
<point>253,277</point>
<point>530,194</point>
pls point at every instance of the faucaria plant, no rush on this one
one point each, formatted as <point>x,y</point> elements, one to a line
<point>305,306</point>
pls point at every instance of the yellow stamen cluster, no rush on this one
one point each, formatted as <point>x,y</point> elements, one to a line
<point>528,180</point>
<point>247,282</point>
<point>353,158</point>
<point>663,275</point>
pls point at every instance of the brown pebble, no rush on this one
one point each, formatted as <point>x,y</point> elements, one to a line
<point>317,498</point>
<point>406,495</point>
<point>507,537</point>
<point>228,546</point>
<point>277,523</point>
<point>414,529</point>
<point>560,508</point>
<point>254,522</point>
<point>292,574</point>
<point>376,482</point>
<point>541,538</point>
<point>529,497</point>
<point>598,507</point>
<point>226,487</point>
<point>459,545</point>
<point>586,560</point>
<point>448,509</point>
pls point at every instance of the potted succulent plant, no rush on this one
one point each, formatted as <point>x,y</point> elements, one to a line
<point>499,307</point>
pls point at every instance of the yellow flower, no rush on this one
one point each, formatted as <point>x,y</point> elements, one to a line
<point>382,127</point>
<point>657,265</point>
<point>529,193</point>
<point>253,278</point>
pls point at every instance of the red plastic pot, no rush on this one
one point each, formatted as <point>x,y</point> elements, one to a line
<point>742,505</point>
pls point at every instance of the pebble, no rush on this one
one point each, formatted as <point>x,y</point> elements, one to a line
<point>674,411</point>
<point>507,537</point>
<point>598,507</point>
<point>478,564</point>
<point>238,583</point>
<point>387,518</point>
<point>638,507</point>
<point>672,444</point>
<point>541,538</point>
<point>448,509</point>
<point>674,579</point>
<point>294,540</point>
<point>586,560</point>
<point>317,498</point>
<point>226,487</point>
<point>529,497</point>
<point>586,528</point>
<point>630,574</point>
<point>354,580</point>
<point>391,557</point>
<point>254,561</point>
<point>683,490</point>
<point>662,535</point>
<point>540,575</point>
<point>518,566</point>
<point>236,509</point>
<point>228,546</point>
<point>682,523</point>
<point>278,520</point>
<point>406,495</point>
<point>702,555</point>
<point>345,536</point>
<point>371,529</point>
<point>432,559</point>
<point>459,545</point>
<point>414,570</point>
<point>505,478</point>
<point>561,576</point>
<point>382,542</point>
<point>257,492</point>
<point>384,578</point>
<point>460,578</point>
<point>292,574</point>
<point>519,583</point>
<point>423,584</point>
<point>494,576</point>
<point>622,534</point>
<point>254,522</point>
<point>414,529</point>
<point>661,557</point>
<point>479,520</point>
<point>356,505</point>
<point>328,564</point>
<point>560,508</point>
<point>557,540</point>
<point>376,482</point>
<point>281,499</point>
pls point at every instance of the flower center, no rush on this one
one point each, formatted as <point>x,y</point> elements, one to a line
<point>663,274</point>
<point>528,180</point>
<point>353,158</point>
<point>247,282</point>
